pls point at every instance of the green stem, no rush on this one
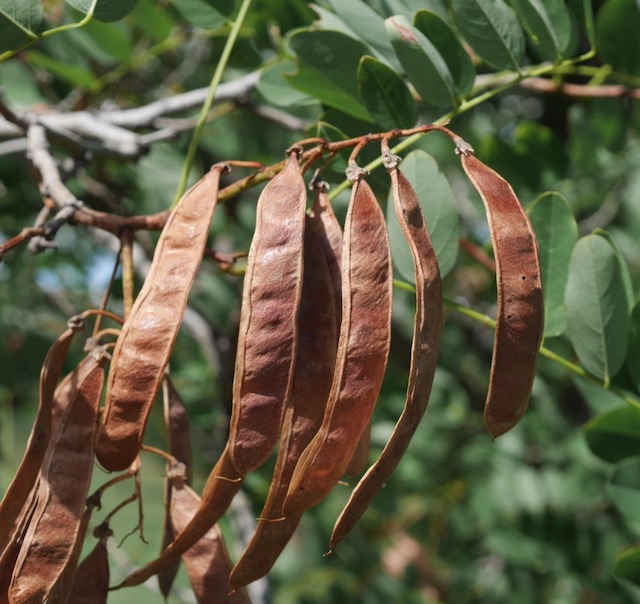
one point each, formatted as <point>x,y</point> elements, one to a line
<point>545,352</point>
<point>206,107</point>
<point>50,32</point>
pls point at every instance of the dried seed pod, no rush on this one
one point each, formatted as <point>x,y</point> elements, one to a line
<point>179,445</point>
<point>520,314</point>
<point>267,337</point>
<point>363,349</point>
<point>223,483</point>
<point>65,477</point>
<point>424,350</point>
<point>148,335</point>
<point>207,562</point>
<point>317,339</point>
<point>25,477</point>
<point>329,232</point>
<point>91,583</point>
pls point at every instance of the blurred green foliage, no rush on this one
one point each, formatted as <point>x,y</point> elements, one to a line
<point>538,516</point>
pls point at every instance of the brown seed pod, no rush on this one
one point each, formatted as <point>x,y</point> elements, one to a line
<point>363,349</point>
<point>267,338</point>
<point>329,232</point>
<point>207,562</point>
<point>520,314</point>
<point>148,335</point>
<point>221,486</point>
<point>91,583</point>
<point>179,445</point>
<point>25,477</point>
<point>317,339</point>
<point>65,477</point>
<point>424,349</point>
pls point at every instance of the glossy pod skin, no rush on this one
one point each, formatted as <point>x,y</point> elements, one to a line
<point>317,339</point>
<point>424,351</point>
<point>267,342</point>
<point>363,351</point>
<point>148,335</point>
<point>520,314</point>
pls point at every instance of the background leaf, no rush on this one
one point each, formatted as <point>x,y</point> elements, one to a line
<point>623,488</point>
<point>443,38</point>
<point>105,10</point>
<point>557,233</point>
<point>422,62</point>
<point>385,94</point>
<point>17,21</point>
<point>491,28</point>
<point>614,435</point>
<point>439,207</point>
<point>548,25</point>
<point>597,307</point>
<point>627,565</point>
<point>327,68</point>
<point>617,26</point>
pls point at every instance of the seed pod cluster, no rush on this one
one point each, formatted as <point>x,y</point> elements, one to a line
<point>313,345</point>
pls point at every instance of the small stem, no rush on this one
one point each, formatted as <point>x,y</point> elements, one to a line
<point>126,253</point>
<point>206,106</point>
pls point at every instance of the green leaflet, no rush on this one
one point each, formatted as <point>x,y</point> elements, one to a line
<point>614,435</point>
<point>557,232</point>
<point>105,10</point>
<point>385,94</point>
<point>423,64</point>
<point>19,22</point>
<point>597,307</point>
<point>492,29</point>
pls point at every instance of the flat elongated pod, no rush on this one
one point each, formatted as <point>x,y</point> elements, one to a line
<point>179,445</point>
<point>268,321</point>
<point>363,350</point>
<point>148,335</point>
<point>223,483</point>
<point>317,341</point>
<point>207,562</point>
<point>520,314</point>
<point>328,230</point>
<point>66,474</point>
<point>424,353</point>
<point>91,583</point>
<point>25,477</point>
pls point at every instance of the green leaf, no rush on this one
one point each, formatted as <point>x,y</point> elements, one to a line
<point>622,266</point>
<point>623,488</point>
<point>367,25</point>
<point>439,207</point>
<point>633,349</point>
<point>617,27</point>
<point>425,67</point>
<point>614,435</point>
<point>327,67</point>
<point>75,75</point>
<point>442,36</point>
<point>597,307</point>
<point>277,90</point>
<point>492,30</point>
<point>557,233</point>
<point>548,25</point>
<point>202,13</point>
<point>386,95</point>
<point>105,10</point>
<point>627,565</point>
<point>583,10</point>
<point>19,22</point>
